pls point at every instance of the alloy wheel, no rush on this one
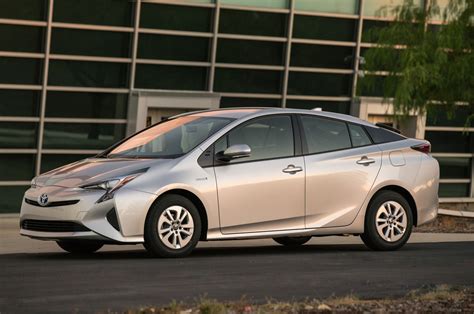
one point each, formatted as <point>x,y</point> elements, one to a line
<point>391,221</point>
<point>175,227</point>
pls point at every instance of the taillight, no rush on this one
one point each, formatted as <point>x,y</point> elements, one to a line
<point>424,148</point>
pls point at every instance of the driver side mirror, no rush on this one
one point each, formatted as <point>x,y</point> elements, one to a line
<point>235,152</point>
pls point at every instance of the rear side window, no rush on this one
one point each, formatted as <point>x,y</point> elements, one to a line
<point>268,137</point>
<point>380,135</point>
<point>359,136</point>
<point>325,135</point>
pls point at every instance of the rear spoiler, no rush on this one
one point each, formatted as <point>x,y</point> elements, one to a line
<point>388,127</point>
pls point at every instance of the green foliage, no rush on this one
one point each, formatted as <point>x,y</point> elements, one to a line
<point>426,64</point>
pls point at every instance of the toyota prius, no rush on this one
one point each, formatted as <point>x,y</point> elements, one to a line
<point>241,173</point>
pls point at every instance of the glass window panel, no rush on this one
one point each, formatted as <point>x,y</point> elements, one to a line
<point>358,136</point>
<point>324,135</point>
<point>20,70</point>
<point>88,74</point>
<point>326,28</point>
<point>453,190</point>
<point>280,4</point>
<point>17,167</point>
<point>11,198</point>
<point>85,42</point>
<point>23,103</point>
<point>250,52</point>
<point>252,23</point>
<point>439,116</point>
<point>321,56</point>
<point>82,136</point>
<point>248,81</point>
<point>321,84</point>
<point>377,89</point>
<point>18,134</point>
<point>100,12</point>
<point>24,9</point>
<point>171,77</point>
<point>167,47</point>
<point>227,102</point>
<point>329,6</point>
<point>392,59</point>
<point>50,161</point>
<point>21,38</point>
<point>176,17</point>
<point>385,7</point>
<point>450,142</point>
<point>332,106</point>
<point>86,105</point>
<point>369,30</point>
<point>269,137</point>
<point>454,168</point>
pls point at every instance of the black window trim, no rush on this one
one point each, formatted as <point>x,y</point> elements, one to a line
<point>305,144</point>
<point>297,142</point>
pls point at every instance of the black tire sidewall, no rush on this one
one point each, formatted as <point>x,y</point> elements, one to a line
<point>371,236</point>
<point>153,242</point>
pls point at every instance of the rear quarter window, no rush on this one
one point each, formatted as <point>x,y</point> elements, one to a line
<point>380,135</point>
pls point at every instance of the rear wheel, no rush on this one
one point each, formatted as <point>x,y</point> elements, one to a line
<point>388,222</point>
<point>292,241</point>
<point>173,227</point>
<point>80,246</point>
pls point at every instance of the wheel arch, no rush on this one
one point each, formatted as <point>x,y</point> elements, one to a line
<point>403,192</point>
<point>195,200</point>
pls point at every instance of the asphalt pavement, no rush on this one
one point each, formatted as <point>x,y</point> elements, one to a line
<point>128,279</point>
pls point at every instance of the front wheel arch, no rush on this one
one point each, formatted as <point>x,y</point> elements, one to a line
<point>403,192</point>
<point>195,200</point>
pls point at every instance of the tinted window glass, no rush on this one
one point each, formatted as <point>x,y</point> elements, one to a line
<point>453,190</point>
<point>247,81</point>
<point>17,167</point>
<point>325,135</point>
<point>175,17</point>
<point>102,12</point>
<point>269,137</point>
<point>20,70</point>
<point>303,55</point>
<point>321,84</point>
<point>452,142</point>
<point>170,77</point>
<point>173,47</point>
<point>327,28</point>
<point>18,134</point>
<point>23,9</point>
<point>358,136</point>
<point>249,51</point>
<point>19,102</point>
<point>454,167</point>
<point>21,38</point>
<point>380,135</point>
<point>249,102</point>
<point>252,23</point>
<point>10,202</point>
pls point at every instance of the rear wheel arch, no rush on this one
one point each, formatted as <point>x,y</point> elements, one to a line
<point>195,200</point>
<point>406,195</point>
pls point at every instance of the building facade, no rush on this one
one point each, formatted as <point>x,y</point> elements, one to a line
<point>78,75</point>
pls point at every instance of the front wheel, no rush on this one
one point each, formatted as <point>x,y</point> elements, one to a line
<point>292,241</point>
<point>173,227</point>
<point>80,246</point>
<point>388,222</point>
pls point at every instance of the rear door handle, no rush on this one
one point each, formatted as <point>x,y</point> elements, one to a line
<point>365,161</point>
<point>292,169</point>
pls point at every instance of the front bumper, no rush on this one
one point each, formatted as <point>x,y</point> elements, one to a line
<point>86,212</point>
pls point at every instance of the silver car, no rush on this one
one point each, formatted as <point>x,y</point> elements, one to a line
<point>239,174</point>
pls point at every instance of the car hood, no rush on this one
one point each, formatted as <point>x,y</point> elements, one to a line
<point>93,170</point>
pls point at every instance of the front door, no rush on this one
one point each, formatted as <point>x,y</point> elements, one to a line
<point>265,191</point>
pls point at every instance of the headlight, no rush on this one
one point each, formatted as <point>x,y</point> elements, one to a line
<point>33,183</point>
<point>112,185</point>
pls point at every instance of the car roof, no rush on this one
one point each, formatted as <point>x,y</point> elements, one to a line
<point>239,113</point>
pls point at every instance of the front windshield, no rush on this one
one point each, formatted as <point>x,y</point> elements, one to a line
<point>170,139</point>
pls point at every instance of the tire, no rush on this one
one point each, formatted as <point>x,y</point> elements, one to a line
<point>292,241</point>
<point>80,246</point>
<point>393,229</point>
<point>183,234</point>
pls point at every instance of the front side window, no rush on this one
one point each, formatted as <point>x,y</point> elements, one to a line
<point>268,137</point>
<point>170,139</point>
<point>325,135</point>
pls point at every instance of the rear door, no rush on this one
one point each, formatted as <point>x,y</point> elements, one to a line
<point>341,167</point>
<point>265,191</point>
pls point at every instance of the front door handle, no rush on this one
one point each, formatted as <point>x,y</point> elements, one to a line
<point>292,169</point>
<point>365,161</point>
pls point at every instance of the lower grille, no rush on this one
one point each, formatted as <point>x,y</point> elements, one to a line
<point>52,226</point>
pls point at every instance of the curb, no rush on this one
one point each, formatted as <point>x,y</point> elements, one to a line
<point>456,213</point>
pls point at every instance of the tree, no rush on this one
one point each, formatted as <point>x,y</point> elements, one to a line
<point>425,66</point>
